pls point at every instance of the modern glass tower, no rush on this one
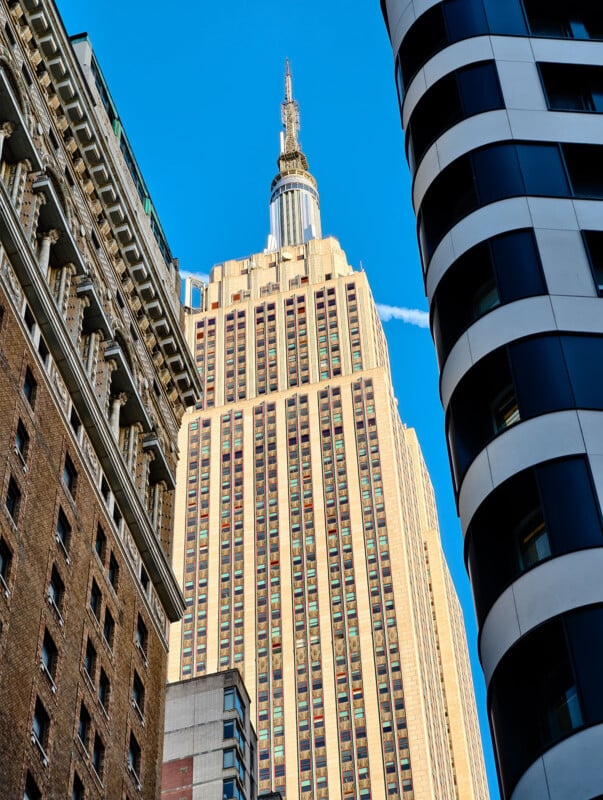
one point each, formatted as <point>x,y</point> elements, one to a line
<point>307,539</point>
<point>500,105</point>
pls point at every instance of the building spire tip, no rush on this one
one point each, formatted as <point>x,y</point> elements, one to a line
<point>288,83</point>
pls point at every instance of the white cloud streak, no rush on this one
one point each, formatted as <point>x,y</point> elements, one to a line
<point>202,276</point>
<point>412,316</point>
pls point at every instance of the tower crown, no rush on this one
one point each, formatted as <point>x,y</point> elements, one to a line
<point>294,202</point>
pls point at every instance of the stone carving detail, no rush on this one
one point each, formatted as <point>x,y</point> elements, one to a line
<point>12,283</point>
<point>158,611</point>
<point>91,456</point>
<point>61,389</point>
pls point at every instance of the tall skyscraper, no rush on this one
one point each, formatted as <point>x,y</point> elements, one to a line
<point>94,378</point>
<point>500,104</point>
<point>306,532</point>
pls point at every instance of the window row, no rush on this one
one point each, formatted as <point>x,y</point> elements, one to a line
<point>519,381</point>
<point>461,94</point>
<point>545,688</point>
<point>503,269</point>
<point>452,21</point>
<point>503,170</point>
<point>540,513</point>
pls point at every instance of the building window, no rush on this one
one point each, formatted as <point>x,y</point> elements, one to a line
<point>134,757</point>
<point>138,694</point>
<point>233,702</point>
<point>77,793</point>
<point>83,727</point>
<point>21,441</point>
<point>13,499</point>
<point>113,572</point>
<point>580,20</point>
<point>527,519</point>
<point>100,544</point>
<point>231,759</point>
<point>459,95</point>
<point>593,243</point>
<point>499,271</point>
<point>29,387</point>
<point>90,660</point>
<point>40,726</point>
<point>69,475</point>
<point>95,599</point>
<point>63,533</point>
<point>56,592</point>
<point>5,563</point>
<point>546,687</point>
<point>231,789</point>
<point>109,629</point>
<point>104,690</point>
<point>48,658</point>
<point>98,756</point>
<point>31,790</point>
<point>571,87</point>
<point>142,636</point>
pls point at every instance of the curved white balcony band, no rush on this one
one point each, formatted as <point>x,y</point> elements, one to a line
<point>499,126</point>
<point>559,585</point>
<point>457,55</point>
<point>543,438</point>
<point>555,435</point>
<point>547,213</point>
<point>569,771</point>
<point>516,61</point>
<point>402,15</point>
<point>530,316</point>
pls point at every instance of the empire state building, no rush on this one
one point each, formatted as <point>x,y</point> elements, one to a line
<point>306,539</point>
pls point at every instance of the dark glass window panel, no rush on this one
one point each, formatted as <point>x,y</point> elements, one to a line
<point>581,19</point>
<point>570,506</point>
<point>505,18</point>
<point>584,357</point>
<point>479,88</point>
<point>593,243</point>
<point>540,375</point>
<point>533,700</point>
<point>517,266</point>
<point>425,37</point>
<point>497,173</point>
<point>585,168</point>
<point>482,404</point>
<point>468,91</point>
<point>29,387</point>
<point>13,499</point>
<point>585,635</point>
<point>542,169</point>
<point>570,87</point>
<point>545,511</point>
<point>5,559</point>
<point>505,268</point>
<point>438,214</point>
<point>464,18</point>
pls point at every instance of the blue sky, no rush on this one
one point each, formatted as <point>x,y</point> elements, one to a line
<point>198,87</point>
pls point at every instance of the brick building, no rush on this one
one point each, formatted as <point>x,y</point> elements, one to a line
<point>95,376</point>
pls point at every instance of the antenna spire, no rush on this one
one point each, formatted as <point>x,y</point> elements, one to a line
<point>288,83</point>
<point>290,116</point>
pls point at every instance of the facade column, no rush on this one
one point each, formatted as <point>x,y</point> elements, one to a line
<point>46,241</point>
<point>62,287</point>
<point>21,171</point>
<point>116,402</point>
<point>6,130</point>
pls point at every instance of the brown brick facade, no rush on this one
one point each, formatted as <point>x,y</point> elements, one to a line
<point>89,410</point>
